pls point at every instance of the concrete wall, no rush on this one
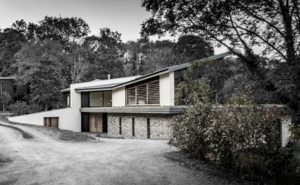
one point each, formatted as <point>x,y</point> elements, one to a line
<point>119,97</point>
<point>159,125</point>
<point>166,89</point>
<point>69,118</point>
<point>286,123</point>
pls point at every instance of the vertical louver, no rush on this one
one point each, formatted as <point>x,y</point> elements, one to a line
<point>131,96</point>
<point>143,94</point>
<point>153,92</point>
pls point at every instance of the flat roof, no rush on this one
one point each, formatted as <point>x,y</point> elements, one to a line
<point>7,78</point>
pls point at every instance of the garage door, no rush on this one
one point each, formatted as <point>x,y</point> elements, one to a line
<point>51,122</point>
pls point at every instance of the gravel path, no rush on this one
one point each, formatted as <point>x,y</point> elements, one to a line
<point>48,160</point>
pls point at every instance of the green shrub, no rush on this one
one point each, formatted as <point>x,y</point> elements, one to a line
<point>244,138</point>
<point>21,108</point>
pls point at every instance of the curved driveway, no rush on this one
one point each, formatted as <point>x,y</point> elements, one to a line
<point>46,160</point>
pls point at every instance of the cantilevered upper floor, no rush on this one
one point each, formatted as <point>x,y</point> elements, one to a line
<point>151,93</point>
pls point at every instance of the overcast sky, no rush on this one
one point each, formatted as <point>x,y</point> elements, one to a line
<point>124,16</point>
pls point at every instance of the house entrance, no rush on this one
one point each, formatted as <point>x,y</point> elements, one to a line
<point>94,122</point>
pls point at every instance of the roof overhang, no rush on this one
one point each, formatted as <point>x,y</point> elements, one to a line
<point>65,90</point>
<point>93,89</point>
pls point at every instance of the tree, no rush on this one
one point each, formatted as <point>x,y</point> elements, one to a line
<point>146,56</point>
<point>63,29</point>
<point>39,65</point>
<point>106,56</point>
<point>5,99</point>
<point>240,26</point>
<point>191,47</point>
<point>11,41</point>
<point>78,64</point>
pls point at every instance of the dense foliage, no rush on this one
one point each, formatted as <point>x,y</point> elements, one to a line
<point>48,56</point>
<point>21,108</point>
<point>239,135</point>
<point>250,29</point>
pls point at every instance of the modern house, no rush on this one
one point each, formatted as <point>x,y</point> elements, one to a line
<point>132,107</point>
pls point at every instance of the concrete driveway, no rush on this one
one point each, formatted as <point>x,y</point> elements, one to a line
<point>48,160</point>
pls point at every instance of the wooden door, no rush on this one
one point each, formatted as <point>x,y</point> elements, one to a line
<point>93,123</point>
<point>54,121</point>
<point>99,125</point>
<point>96,123</point>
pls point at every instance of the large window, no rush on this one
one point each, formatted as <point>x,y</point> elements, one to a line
<point>96,99</point>
<point>144,93</point>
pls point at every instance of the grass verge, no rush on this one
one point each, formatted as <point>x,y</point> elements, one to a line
<point>22,132</point>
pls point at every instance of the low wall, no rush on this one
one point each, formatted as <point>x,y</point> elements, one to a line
<point>69,118</point>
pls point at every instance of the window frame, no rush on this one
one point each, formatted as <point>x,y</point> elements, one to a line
<point>136,94</point>
<point>88,94</point>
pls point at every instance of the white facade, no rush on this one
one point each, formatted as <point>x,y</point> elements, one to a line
<point>119,97</point>
<point>69,118</point>
<point>167,89</point>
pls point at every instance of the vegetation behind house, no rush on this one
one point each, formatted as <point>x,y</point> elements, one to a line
<point>239,135</point>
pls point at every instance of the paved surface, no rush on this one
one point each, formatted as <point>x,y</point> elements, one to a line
<point>47,160</point>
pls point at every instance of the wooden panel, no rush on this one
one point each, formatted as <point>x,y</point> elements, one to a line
<point>51,122</point>
<point>54,122</point>
<point>92,123</point>
<point>96,123</point>
<point>99,125</point>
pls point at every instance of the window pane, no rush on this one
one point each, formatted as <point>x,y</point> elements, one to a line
<point>131,96</point>
<point>142,94</point>
<point>85,100</point>
<point>107,98</point>
<point>96,99</point>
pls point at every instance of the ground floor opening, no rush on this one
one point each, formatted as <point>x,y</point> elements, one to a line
<point>94,122</point>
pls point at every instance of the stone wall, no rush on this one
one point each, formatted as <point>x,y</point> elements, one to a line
<point>159,125</point>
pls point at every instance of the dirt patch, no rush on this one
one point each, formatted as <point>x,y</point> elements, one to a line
<point>58,134</point>
<point>10,182</point>
<point>4,160</point>
<point>25,135</point>
<point>74,136</point>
